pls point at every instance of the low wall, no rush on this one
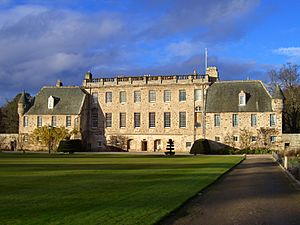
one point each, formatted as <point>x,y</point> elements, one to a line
<point>291,141</point>
<point>6,141</point>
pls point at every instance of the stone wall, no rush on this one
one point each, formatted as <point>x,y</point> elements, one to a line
<point>291,141</point>
<point>244,122</point>
<point>6,139</point>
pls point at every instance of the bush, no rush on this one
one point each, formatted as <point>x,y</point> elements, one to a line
<point>70,146</point>
<point>200,146</point>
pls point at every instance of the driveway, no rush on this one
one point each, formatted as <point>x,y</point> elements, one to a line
<point>256,192</point>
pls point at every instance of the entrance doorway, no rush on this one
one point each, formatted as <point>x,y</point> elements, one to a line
<point>144,145</point>
<point>129,144</point>
<point>157,145</point>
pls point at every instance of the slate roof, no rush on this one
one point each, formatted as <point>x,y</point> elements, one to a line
<point>278,93</point>
<point>224,97</point>
<point>68,101</point>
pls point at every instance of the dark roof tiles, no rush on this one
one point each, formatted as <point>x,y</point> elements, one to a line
<point>224,97</point>
<point>68,101</point>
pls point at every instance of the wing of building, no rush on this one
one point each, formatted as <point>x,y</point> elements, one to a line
<point>141,113</point>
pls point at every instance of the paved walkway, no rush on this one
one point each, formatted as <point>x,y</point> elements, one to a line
<point>256,192</point>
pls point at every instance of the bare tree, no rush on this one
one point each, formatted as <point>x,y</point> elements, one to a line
<point>288,78</point>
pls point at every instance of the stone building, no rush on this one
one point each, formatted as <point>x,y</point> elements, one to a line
<point>145,111</point>
<point>53,106</point>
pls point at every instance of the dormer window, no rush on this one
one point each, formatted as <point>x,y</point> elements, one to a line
<point>50,102</point>
<point>242,98</point>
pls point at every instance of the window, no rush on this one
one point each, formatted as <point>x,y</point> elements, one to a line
<point>94,118</point>
<point>122,96</point>
<point>95,97</point>
<point>253,138</point>
<point>235,138</point>
<point>68,121</point>
<point>182,119</point>
<point>198,94</point>
<point>25,121</point>
<point>182,95</point>
<point>137,120</point>
<point>152,96</point>
<point>188,144</point>
<point>152,119</point>
<point>198,109</point>
<point>50,102</point>
<point>253,120</point>
<point>167,95</point>
<point>122,120</point>
<point>272,120</point>
<point>242,98</point>
<point>217,138</point>
<point>273,139</point>
<point>137,96</point>
<point>235,120</point>
<point>108,119</point>
<point>108,97</point>
<point>167,119</point>
<point>53,121</point>
<point>39,121</point>
<point>25,138</point>
<point>217,120</point>
<point>99,143</point>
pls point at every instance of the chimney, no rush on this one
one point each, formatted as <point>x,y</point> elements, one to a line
<point>59,83</point>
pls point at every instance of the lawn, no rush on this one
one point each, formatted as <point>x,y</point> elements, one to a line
<point>101,189</point>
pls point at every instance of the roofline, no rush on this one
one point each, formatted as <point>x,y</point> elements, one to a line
<point>245,81</point>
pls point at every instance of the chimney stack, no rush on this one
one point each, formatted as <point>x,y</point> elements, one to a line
<point>59,83</point>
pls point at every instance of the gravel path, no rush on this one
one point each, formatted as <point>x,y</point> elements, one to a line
<point>256,192</point>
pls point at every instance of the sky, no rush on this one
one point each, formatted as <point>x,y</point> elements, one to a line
<point>42,41</point>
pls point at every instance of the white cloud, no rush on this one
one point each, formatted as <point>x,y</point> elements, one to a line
<point>289,51</point>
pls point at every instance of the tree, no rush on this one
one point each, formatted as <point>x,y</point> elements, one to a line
<point>9,118</point>
<point>288,78</point>
<point>264,137</point>
<point>50,136</point>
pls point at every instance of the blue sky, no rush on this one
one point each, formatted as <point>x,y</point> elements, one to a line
<point>42,41</point>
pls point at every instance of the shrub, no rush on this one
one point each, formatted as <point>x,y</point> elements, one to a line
<point>70,146</point>
<point>200,146</point>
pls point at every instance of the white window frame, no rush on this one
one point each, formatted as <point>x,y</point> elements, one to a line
<point>182,95</point>
<point>152,96</point>
<point>39,121</point>
<point>235,120</point>
<point>108,119</point>
<point>108,97</point>
<point>95,97</point>
<point>122,96</point>
<point>273,120</point>
<point>253,120</point>
<point>151,119</point>
<point>25,121</point>
<point>167,95</point>
<point>137,120</point>
<point>182,119</point>
<point>167,119</point>
<point>68,121</point>
<point>53,121</point>
<point>198,94</point>
<point>122,119</point>
<point>137,96</point>
<point>51,102</point>
<point>217,120</point>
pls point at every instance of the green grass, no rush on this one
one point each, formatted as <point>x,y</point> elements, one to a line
<point>101,189</point>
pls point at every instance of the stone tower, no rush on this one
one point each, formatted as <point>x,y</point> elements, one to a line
<point>22,104</point>
<point>278,100</point>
